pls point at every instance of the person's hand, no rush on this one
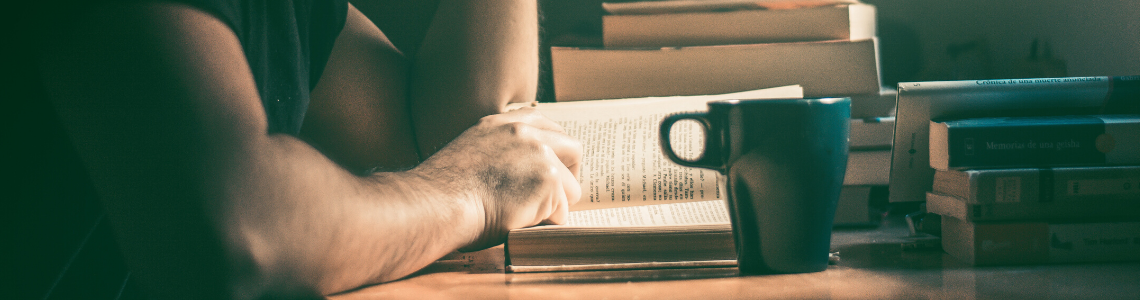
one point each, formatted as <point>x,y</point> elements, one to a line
<point>519,167</point>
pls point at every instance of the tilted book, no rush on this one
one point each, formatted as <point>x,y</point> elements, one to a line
<point>1003,142</point>
<point>1041,185</point>
<point>1033,242</point>
<point>828,68</point>
<point>921,102</point>
<point>749,26</point>
<point>950,206</point>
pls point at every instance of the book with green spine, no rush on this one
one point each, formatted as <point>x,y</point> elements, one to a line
<point>1004,142</point>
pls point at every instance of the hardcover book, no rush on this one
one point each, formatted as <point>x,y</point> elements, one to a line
<point>691,234</point>
<point>828,68</point>
<point>950,206</point>
<point>1003,142</point>
<point>1044,185</point>
<point>868,167</point>
<point>749,26</point>
<point>873,134</point>
<point>676,6</point>
<point>1035,242</point>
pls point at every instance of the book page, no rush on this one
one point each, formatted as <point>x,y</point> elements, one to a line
<point>689,213</point>
<point>622,162</point>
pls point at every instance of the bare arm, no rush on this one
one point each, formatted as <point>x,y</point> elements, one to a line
<point>476,57</point>
<point>160,104</point>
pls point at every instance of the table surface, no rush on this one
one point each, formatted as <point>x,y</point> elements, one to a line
<point>873,265</point>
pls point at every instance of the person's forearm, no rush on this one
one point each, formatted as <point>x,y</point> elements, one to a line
<point>161,106</point>
<point>477,56</point>
<point>332,230</point>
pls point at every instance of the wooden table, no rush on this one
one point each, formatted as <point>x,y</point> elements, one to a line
<point>873,265</point>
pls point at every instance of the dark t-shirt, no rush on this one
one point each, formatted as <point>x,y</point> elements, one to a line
<point>287,43</point>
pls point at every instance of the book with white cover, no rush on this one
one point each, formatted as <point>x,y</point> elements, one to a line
<point>823,69</point>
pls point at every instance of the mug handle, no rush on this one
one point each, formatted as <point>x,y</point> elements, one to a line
<point>712,146</point>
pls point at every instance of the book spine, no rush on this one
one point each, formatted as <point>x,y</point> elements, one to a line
<point>1015,142</point>
<point>1010,186</point>
<point>983,243</point>
<point>1094,242</point>
<point>950,206</point>
<point>919,102</point>
<point>1052,184</point>
<point>826,68</point>
<point>872,133</point>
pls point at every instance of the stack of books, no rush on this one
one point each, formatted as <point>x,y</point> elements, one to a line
<point>680,47</point>
<point>1037,189</point>
<point>865,186</point>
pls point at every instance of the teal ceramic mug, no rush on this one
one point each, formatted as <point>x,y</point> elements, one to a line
<point>784,161</point>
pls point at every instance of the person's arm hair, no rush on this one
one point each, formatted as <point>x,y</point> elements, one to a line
<point>476,57</point>
<point>161,106</point>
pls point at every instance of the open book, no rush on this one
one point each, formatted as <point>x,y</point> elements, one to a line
<point>638,209</point>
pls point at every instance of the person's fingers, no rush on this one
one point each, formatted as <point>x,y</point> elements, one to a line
<point>559,209</point>
<point>567,149</point>
<point>532,117</point>
<point>571,187</point>
<point>567,190</point>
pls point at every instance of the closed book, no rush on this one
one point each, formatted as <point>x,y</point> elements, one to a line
<point>1003,142</point>
<point>751,26</point>
<point>868,167</point>
<point>1033,242</point>
<point>1041,185</point>
<point>881,104</point>
<point>921,102</point>
<point>950,206</point>
<point>679,6</point>
<point>829,68</point>
<point>872,134</point>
